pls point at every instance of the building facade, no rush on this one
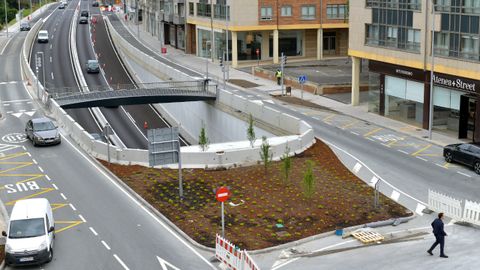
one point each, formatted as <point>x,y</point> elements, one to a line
<point>165,19</point>
<point>395,36</point>
<point>262,30</point>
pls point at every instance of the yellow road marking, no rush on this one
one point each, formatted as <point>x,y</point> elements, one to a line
<point>421,150</point>
<point>448,165</point>
<point>328,117</point>
<point>350,124</point>
<point>13,155</point>
<point>407,128</point>
<point>392,143</point>
<point>56,206</point>
<point>44,190</point>
<point>431,155</point>
<point>372,132</point>
<point>72,224</point>
<point>24,164</point>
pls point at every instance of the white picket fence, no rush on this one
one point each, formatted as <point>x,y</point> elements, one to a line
<point>232,257</point>
<point>467,211</point>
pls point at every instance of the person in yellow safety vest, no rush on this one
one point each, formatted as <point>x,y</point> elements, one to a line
<point>278,74</point>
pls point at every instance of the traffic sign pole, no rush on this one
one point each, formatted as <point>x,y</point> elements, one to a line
<point>222,194</point>
<point>223,221</point>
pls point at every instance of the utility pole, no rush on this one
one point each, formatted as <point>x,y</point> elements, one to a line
<point>137,10</point>
<point>282,65</point>
<point>212,35</point>
<point>6,17</point>
<point>430,112</point>
<point>227,13</point>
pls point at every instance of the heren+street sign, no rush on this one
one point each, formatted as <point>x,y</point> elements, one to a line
<point>222,194</point>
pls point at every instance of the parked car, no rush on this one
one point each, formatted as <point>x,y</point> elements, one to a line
<point>42,131</point>
<point>84,13</point>
<point>30,233</point>
<point>465,153</point>
<point>42,36</point>
<point>83,20</point>
<point>93,66</point>
<point>95,4</point>
<point>24,26</point>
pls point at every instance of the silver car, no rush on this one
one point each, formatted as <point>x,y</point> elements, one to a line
<point>42,131</point>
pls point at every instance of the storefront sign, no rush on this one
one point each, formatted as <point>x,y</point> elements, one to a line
<point>397,71</point>
<point>456,83</point>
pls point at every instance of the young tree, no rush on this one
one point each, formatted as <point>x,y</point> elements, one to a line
<point>286,164</point>
<point>265,153</point>
<point>203,139</point>
<point>251,131</point>
<point>309,181</point>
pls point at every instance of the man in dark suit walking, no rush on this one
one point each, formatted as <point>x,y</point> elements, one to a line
<point>440,234</point>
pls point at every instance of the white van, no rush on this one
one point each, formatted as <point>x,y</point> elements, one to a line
<point>30,233</point>
<point>42,36</point>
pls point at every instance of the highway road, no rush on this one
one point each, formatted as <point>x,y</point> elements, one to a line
<point>98,224</point>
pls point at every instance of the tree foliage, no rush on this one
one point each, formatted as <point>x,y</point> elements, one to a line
<point>286,164</point>
<point>265,153</point>
<point>203,139</point>
<point>309,181</point>
<point>251,131</point>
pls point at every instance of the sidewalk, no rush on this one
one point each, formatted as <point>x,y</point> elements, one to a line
<point>267,86</point>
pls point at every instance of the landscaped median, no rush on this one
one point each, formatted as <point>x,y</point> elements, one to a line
<point>271,208</point>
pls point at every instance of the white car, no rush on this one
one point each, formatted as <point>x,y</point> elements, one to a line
<point>42,36</point>
<point>31,232</point>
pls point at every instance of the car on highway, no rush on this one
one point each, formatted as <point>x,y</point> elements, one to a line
<point>84,13</point>
<point>93,66</point>
<point>62,5</point>
<point>464,153</point>
<point>42,131</point>
<point>24,26</point>
<point>95,4</point>
<point>83,20</point>
<point>31,232</point>
<point>42,36</point>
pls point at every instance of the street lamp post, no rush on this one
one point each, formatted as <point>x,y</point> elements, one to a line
<point>6,17</point>
<point>430,113</point>
<point>226,39</point>
<point>206,58</point>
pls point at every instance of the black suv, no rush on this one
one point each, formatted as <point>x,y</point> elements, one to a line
<point>84,13</point>
<point>95,4</point>
<point>465,153</point>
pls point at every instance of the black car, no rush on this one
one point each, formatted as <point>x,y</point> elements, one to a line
<point>95,4</point>
<point>84,13</point>
<point>93,66</point>
<point>83,20</point>
<point>465,153</point>
<point>24,26</point>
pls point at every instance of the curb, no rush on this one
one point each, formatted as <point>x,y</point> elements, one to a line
<point>152,209</point>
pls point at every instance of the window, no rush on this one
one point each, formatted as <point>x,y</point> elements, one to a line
<point>191,9</point>
<point>286,11</point>
<point>266,13</point>
<point>337,11</point>
<point>308,12</point>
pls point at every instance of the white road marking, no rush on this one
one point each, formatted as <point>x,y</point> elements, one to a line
<point>439,165</point>
<point>63,196</point>
<point>34,161</point>
<point>166,265</point>
<point>464,174</point>
<point>83,219</point>
<point>422,158</point>
<point>121,262</point>
<point>105,244</point>
<point>10,112</point>
<point>6,104</point>
<point>386,145</point>
<point>51,46</point>
<point>401,151</point>
<point>55,186</point>
<point>316,118</point>
<point>93,231</point>
<point>17,100</point>
<point>370,139</point>
<point>30,155</point>
<point>51,59</point>
<point>166,227</point>
<point>354,133</point>
<point>53,78</point>
<point>73,207</point>
<point>48,178</point>
<point>40,168</point>
<point>22,110</point>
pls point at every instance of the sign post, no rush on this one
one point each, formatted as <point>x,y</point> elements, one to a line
<point>302,79</point>
<point>222,194</point>
<point>107,131</point>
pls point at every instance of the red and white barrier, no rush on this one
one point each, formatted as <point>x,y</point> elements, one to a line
<point>232,257</point>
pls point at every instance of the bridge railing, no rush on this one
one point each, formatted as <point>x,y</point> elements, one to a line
<point>194,86</point>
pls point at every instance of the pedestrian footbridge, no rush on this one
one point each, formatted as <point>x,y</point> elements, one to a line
<point>117,95</point>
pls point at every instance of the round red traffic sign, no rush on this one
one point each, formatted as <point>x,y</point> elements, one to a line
<point>222,194</point>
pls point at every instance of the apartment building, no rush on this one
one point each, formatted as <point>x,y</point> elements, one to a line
<point>264,29</point>
<point>165,19</point>
<point>395,36</point>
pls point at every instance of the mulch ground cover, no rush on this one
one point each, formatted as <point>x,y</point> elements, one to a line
<point>340,199</point>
